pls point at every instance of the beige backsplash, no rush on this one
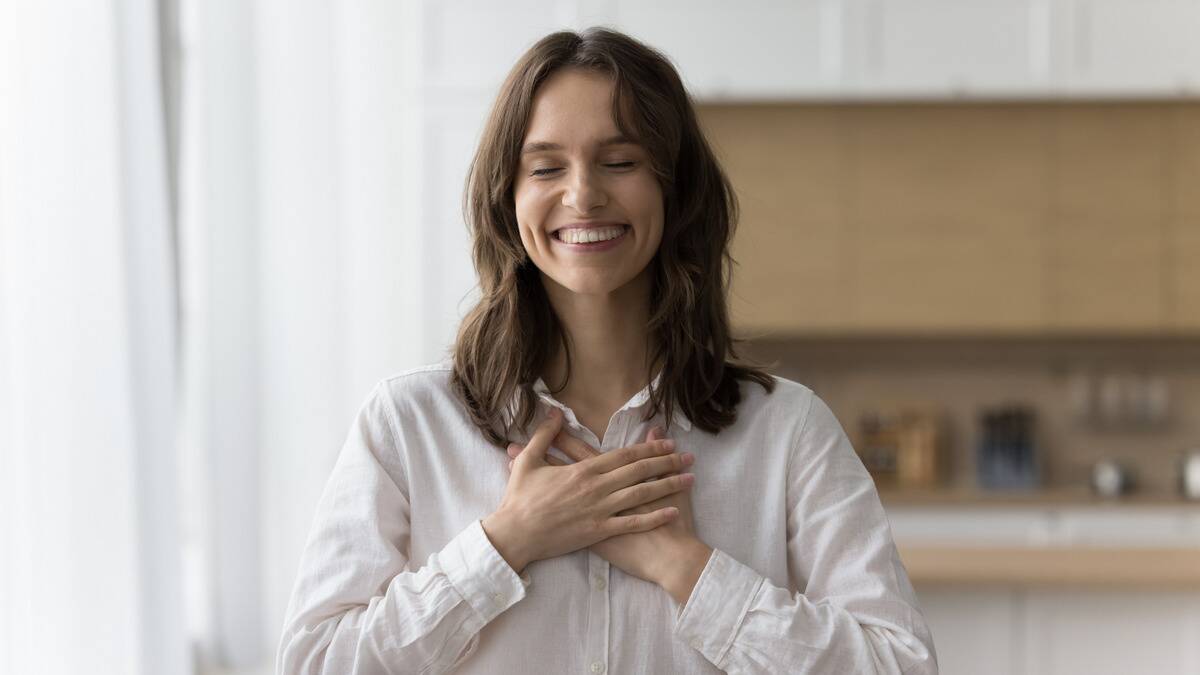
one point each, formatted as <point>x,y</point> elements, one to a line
<point>965,375</point>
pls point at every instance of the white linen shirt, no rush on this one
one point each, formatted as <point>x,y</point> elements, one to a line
<point>398,575</point>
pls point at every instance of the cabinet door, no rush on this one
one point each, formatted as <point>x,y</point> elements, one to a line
<point>949,48</point>
<point>752,49</point>
<point>1108,218</point>
<point>787,166</point>
<point>1183,224</point>
<point>942,239</point>
<point>1130,47</point>
<point>1111,632</point>
<point>975,630</point>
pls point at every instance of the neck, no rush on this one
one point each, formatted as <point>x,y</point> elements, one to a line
<point>608,338</point>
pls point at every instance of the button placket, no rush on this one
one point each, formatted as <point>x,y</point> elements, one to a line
<point>599,613</point>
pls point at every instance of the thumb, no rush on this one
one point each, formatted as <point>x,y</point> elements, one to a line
<point>534,453</point>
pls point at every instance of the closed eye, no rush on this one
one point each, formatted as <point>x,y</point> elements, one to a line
<point>613,165</point>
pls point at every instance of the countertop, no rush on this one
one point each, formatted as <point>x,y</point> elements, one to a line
<point>958,496</point>
<point>1054,566</point>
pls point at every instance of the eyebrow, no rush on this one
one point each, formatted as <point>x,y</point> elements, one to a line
<point>543,146</point>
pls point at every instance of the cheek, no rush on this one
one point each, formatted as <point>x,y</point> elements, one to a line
<point>530,218</point>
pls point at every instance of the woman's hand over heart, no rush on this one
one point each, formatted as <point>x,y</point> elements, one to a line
<point>665,555</point>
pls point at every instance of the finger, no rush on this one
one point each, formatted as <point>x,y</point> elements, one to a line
<point>644,493</point>
<point>514,449</point>
<point>551,460</point>
<point>645,469</point>
<point>618,458</point>
<point>656,433</point>
<point>639,522</point>
<point>573,447</point>
<point>535,450</point>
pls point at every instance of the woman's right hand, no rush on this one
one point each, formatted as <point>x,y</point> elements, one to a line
<point>549,510</point>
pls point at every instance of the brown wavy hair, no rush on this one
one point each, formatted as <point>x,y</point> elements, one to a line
<point>505,342</point>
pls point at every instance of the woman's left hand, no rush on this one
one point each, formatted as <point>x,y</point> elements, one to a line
<point>670,555</point>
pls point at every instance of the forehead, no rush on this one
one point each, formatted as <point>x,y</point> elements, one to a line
<point>572,107</point>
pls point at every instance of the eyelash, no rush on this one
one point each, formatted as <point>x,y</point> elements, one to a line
<point>615,165</point>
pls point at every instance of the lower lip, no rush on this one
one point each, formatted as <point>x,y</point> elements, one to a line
<point>595,246</point>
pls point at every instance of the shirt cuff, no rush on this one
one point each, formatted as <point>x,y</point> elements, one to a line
<point>717,606</point>
<point>480,574</point>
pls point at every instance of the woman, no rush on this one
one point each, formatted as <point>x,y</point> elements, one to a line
<point>601,225</point>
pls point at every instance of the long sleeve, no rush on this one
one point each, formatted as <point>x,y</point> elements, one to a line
<point>355,607</point>
<point>857,612</point>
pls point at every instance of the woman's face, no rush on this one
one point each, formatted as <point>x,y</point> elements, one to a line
<point>579,181</point>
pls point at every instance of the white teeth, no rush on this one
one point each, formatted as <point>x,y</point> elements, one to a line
<point>589,236</point>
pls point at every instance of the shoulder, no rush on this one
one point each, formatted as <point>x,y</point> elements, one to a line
<point>792,410</point>
<point>788,399</point>
<point>418,388</point>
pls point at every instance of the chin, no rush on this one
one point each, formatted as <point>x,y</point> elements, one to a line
<point>591,284</point>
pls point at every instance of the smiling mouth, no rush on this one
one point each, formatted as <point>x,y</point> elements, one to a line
<point>591,236</point>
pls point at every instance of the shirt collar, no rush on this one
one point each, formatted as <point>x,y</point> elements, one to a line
<point>640,399</point>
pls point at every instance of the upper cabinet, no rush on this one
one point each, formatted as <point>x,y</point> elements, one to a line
<point>939,48</point>
<point>743,50</point>
<point>1020,218</point>
<point>1118,48</point>
<point>920,49</point>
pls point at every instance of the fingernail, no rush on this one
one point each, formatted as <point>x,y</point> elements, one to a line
<point>669,444</point>
<point>688,458</point>
<point>687,478</point>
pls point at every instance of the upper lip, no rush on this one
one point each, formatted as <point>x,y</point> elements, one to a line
<point>587,225</point>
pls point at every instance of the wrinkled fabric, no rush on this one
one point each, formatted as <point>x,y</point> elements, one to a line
<point>398,575</point>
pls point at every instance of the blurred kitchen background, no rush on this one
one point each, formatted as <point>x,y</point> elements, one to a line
<point>971,226</point>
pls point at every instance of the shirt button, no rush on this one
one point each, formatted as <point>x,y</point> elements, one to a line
<point>599,582</point>
<point>498,599</point>
<point>597,667</point>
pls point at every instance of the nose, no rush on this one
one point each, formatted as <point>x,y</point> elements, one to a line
<point>584,191</point>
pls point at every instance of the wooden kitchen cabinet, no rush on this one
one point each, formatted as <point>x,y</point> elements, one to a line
<point>981,219</point>
<point>793,271</point>
<point>1106,258</point>
<point>1183,222</point>
<point>942,239</point>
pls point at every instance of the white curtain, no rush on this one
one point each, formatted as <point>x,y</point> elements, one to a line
<point>89,551</point>
<point>305,266</point>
